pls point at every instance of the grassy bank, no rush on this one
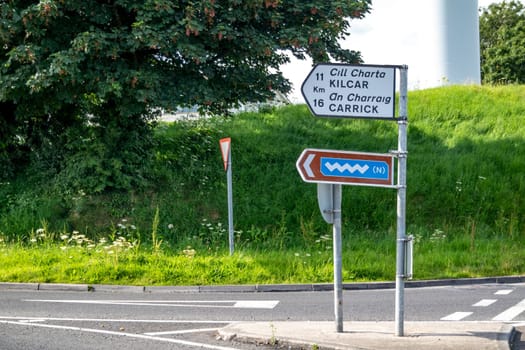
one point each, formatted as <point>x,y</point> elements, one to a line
<point>466,181</point>
<point>370,258</point>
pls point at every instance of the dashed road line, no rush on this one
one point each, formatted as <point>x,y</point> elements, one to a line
<point>456,316</point>
<point>507,315</point>
<point>485,302</point>
<point>504,292</point>
<point>256,304</point>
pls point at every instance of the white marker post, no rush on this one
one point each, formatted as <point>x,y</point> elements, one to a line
<point>225,144</point>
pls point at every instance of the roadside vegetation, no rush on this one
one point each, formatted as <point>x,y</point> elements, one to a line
<point>465,205</point>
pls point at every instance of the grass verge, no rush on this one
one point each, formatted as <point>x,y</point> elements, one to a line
<point>365,258</point>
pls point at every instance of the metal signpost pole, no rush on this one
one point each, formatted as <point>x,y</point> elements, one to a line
<point>230,201</point>
<point>401,203</point>
<point>338,257</point>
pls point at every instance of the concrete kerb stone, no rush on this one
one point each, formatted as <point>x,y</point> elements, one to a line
<point>317,287</point>
<point>171,289</point>
<point>510,279</point>
<point>109,288</point>
<point>18,286</point>
<point>378,285</point>
<point>284,288</point>
<point>243,288</point>
<point>63,287</point>
<point>465,281</point>
<point>322,287</point>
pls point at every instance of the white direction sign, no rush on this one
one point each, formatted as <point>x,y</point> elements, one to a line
<point>351,91</point>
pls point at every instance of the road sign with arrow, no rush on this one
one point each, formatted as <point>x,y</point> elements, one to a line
<point>346,168</point>
<point>351,91</point>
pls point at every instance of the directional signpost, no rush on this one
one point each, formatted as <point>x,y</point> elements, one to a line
<point>358,91</point>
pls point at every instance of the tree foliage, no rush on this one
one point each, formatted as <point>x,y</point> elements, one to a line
<point>502,43</point>
<point>82,79</point>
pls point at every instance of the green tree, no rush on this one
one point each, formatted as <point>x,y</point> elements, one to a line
<point>502,43</point>
<point>81,80</point>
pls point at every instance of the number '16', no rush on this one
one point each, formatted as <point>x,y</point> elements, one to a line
<point>319,103</point>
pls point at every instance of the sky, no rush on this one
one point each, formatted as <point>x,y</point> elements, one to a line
<point>389,35</point>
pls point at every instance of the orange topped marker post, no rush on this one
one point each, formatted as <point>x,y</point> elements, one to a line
<point>226,152</point>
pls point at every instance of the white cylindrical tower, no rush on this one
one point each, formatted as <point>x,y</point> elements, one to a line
<point>452,49</point>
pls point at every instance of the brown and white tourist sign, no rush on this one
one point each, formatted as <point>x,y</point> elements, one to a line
<point>346,168</point>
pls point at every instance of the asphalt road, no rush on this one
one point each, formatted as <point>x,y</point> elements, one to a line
<point>130,320</point>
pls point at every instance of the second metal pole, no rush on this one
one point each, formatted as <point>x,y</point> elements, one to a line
<point>401,205</point>
<point>338,264</point>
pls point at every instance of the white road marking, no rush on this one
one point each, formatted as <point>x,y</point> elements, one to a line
<point>33,320</point>
<point>243,304</point>
<point>456,316</point>
<point>504,292</point>
<point>511,312</point>
<point>256,304</point>
<point>121,334</point>
<point>185,331</point>
<point>44,319</point>
<point>485,302</point>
